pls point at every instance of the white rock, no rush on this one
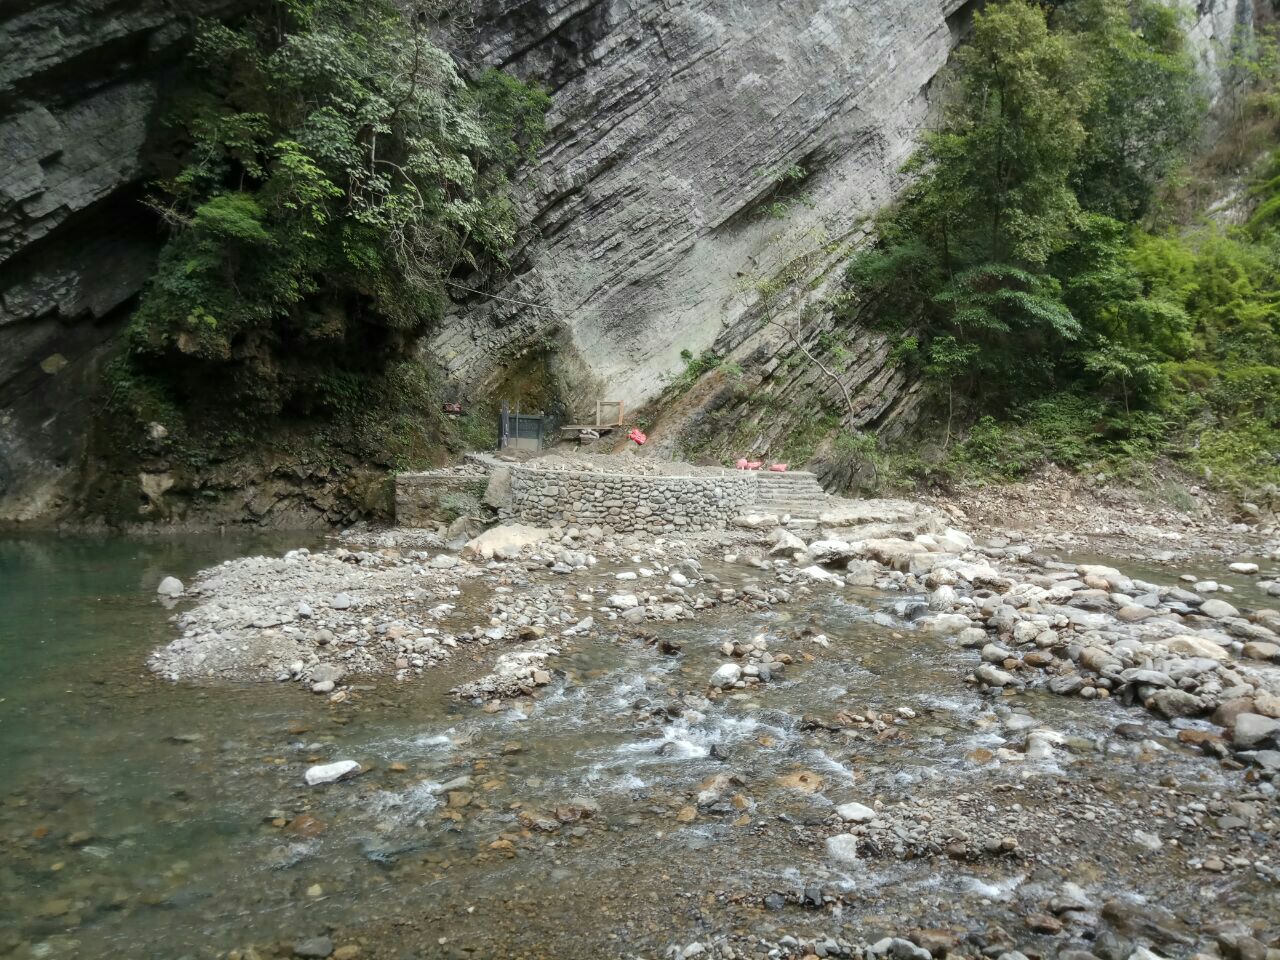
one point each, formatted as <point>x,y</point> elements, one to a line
<point>624,601</point>
<point>994,653</point>
<point>1218,609</point>
<point>327,671</point>
<point>953,541</point>
<point>1252,729</point>
<point>816,572</point>
<point>170,587</point>
<point>994,677</point>
<point>843,847</point>
<point>505,538</point>
<point>855,813</point>
<point>1190,645</point>
<point>944,598</point>
<point>786,543</point>
<point>830,551</point>
<point>1118,581</point>
<point>756,521</point>
<point>331,772</point>
<point>726,676</point>
<point>304,610</point>
<point>946,623</point>
<point>1242,567</point>
<point>1041,744</point>
<point>341,602</point>
<point>1148,840</point>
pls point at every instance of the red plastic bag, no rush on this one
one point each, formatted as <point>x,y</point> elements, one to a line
<point>638,437</point>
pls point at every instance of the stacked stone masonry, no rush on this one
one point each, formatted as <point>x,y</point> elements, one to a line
<point>628,503</point>
<point>427,499</point>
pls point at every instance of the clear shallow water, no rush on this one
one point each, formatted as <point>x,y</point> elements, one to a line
<point>141,819</point>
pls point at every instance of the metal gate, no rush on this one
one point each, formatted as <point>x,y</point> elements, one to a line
<point>522,431</point>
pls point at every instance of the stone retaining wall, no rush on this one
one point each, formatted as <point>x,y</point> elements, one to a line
<point>625,503</point>
<point>427,499</point>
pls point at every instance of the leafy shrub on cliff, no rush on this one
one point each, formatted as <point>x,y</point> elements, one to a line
<point>336,171</point>
<point>999,252</point>
<point>1024,275</point>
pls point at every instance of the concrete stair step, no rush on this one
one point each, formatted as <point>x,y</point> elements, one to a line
<point>793,501</point>
<point>813,504</point>
<point>813,489</point>
<point>814,508</point>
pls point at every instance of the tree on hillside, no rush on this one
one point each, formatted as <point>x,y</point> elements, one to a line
<point>1145,105</point>
<point>1059,126</point>
<point>964,254</point>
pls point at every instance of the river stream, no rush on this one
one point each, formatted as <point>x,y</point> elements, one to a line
<point>604,817</point>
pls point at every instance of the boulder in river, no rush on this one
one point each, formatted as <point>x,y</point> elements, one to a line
<point>726,676</point>
<point>1253,729</point>
<point>853,812</point>
<point>831,551</point>
<point>331,772</point>
<point>170,587</point>
<point>322,672</point>
<point>1192,646</point>
<point>994,677</point>
<point>504,540</point>
<point>315,947</point>
<point>898,949</point>
<point>1218,609</point>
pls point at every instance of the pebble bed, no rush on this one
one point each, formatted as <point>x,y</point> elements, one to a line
<point>1197,660</point>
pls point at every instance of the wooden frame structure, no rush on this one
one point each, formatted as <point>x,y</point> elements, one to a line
<point>610,416</point>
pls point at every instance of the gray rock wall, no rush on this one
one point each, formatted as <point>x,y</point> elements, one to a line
<point>670,124</point>
<point>649,210</point>
<point>627,504</point>
<point>427,499</point>
<point>79,84</point>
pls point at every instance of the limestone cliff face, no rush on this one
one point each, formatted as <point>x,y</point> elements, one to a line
<point>79,83</point>
<point>650,210</point>
<point>653,211</point>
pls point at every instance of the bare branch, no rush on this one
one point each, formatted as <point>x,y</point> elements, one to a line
<point>853,412</point>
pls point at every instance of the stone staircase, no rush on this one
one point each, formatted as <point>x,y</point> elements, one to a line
<point>797,493</point>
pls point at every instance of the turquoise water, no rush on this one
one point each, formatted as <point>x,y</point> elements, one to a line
<point>95,802</point>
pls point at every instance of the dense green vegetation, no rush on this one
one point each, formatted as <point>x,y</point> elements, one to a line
<point>333,171</point>
<point>1038,273</point>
